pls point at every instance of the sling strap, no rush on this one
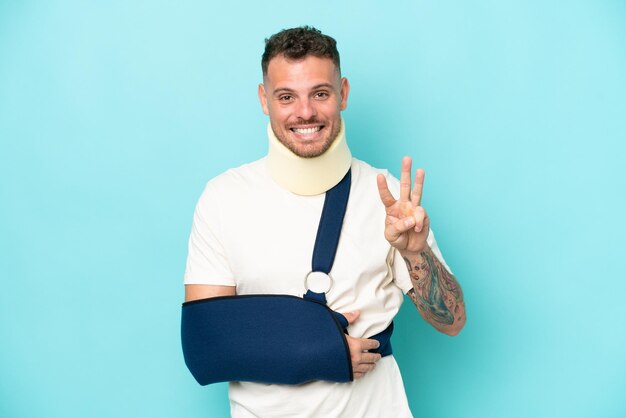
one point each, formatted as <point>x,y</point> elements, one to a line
<point>326,242</point>
<point>329,229</point>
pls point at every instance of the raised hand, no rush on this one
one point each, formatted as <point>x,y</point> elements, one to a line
<point>406,224</point>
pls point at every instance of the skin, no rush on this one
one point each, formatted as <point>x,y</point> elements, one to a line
<point>307,93</point>
<point>436,293</point>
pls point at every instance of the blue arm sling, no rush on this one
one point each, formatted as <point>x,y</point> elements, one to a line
<point>280,339</point>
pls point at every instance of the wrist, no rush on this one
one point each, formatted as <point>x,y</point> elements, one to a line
<point>416,252</point>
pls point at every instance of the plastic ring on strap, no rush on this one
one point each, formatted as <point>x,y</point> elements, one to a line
<point>317,277</point>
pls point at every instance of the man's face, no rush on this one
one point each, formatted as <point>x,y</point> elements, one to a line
<point>304,100</point>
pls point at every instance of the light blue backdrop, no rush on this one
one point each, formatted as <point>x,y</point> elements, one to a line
<point>114,114</point>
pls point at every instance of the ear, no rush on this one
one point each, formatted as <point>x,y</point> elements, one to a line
<point>345,90</point>
<point>263,99</point>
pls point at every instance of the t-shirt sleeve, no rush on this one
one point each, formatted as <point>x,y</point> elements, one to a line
<point>400,271</point>
<point>206,260</point>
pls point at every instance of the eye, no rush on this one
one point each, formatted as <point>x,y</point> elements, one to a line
<point>321,95</point>
<point>285,98</point>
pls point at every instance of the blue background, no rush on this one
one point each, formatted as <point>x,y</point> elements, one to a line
<point>113,115</point>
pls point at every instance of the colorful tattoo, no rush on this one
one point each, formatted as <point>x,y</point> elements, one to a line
<point>436,293</point>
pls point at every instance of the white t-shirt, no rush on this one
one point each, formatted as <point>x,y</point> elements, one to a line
<point>251,233</point>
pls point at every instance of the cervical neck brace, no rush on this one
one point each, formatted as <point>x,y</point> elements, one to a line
<point>308,176</point>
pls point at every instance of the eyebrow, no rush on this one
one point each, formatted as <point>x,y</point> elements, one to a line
<point>323,85</point>
<point>315,87</point>
<point>283,90</point>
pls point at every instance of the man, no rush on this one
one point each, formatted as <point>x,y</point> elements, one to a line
<point>254,229</point>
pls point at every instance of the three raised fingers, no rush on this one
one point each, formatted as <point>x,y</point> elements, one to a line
<point>406,194</point>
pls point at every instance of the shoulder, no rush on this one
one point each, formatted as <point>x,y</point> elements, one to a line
<point>365,174</point>
<point>242,175</point>
<point>233,186</point>
<point>238,179</point>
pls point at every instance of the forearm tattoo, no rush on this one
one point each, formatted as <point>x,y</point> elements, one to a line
<point>436,293</point>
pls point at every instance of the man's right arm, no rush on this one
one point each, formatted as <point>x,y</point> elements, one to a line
<point>203,291</point>
<point>362,361</point>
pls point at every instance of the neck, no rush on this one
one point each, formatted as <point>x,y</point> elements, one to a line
<point>308,176</point>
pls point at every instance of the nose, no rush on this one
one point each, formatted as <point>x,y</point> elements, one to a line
<point>305,109</point>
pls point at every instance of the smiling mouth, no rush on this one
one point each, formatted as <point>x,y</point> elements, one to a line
<point>306,131</point>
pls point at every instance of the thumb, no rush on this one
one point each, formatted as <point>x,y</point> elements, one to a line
<point>352,316</point>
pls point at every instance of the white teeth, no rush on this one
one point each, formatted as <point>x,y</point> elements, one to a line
<point>307,130</point>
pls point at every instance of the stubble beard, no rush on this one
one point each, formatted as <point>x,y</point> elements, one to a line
<point>306,152</point>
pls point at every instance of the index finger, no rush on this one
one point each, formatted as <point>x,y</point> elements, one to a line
<point>383,190</point>
<point>369,344</point>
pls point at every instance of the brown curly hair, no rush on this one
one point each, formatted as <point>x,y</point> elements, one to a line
<point>297,43</point>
